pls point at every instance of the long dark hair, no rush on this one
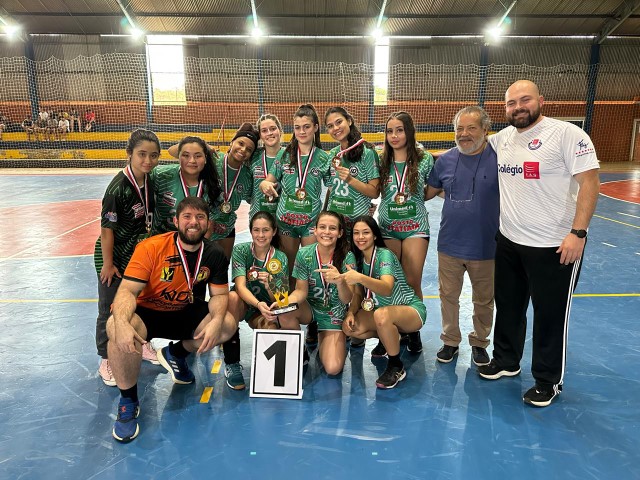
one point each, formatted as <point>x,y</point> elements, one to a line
<point>209,173</point>
<point>138,136</point>
<point>414,156</point>
<point>306,110</point>
<point>354,135</point>
<point>275,241</point>
<point>378,241</point>
<point>342,245</point>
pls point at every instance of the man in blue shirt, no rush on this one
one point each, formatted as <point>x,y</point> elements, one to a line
<point>467,178</point>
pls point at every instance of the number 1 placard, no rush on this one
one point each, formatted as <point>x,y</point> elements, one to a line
<point>277,364</point>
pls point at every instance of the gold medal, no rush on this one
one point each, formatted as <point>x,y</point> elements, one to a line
<point>225,207</point>
<point>400,198</point>
<point>367,304</point>
<point>274,266</point>
<point>336,162</point>
<point>252,274</point>
<point>301,194</point>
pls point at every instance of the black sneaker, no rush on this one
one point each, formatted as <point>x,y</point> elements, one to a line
<point>379,351</point>
<point>493,371</point>
<point>404,339</point>
<point>311,338</point>
<point>446,353</point>
<point>480,356</point>
<point>390,377</point>
<point>415,343</point>
<point>540,397</point>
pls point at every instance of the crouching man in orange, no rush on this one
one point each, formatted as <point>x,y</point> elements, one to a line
<point>162,295</point>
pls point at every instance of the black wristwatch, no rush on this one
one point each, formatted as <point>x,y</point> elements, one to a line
<point>579,233</point>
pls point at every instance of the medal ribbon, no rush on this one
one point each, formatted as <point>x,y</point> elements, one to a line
<point>302,177</point>
<point>264,163</point>
<point>227,193</point>
<point>191,279</point>
<point>324,283</point>
<point>185,188</point>
<point>400,181</point>
<point>341,153</point>
<point>145,201</point>
<point>373,259</point>
<point>270,254</point>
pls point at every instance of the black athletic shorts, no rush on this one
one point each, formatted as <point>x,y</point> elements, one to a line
<point>176,325</point>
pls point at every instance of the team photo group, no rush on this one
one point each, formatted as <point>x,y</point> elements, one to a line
<point>348,265</point>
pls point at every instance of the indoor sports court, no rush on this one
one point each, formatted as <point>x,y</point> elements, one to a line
<point>226,63</point>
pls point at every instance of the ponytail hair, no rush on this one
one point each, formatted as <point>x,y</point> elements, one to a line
<point>138,136</point>
<point>354,155</point>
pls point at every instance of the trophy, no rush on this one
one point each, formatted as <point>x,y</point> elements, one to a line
<point>279,285</point>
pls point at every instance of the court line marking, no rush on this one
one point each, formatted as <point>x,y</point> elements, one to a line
<point>609,245</point>
<point>32,247</point>
<point>616,221</point>
<point>627,214</point>
<point>429,297</point>
<point>619,199</point>
<point>206,395</point>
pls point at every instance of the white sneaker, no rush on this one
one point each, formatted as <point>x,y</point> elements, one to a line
<point>149,354</point>
<point>105,373</point>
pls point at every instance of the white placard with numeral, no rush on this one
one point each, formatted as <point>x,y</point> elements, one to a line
<point>276,370</point>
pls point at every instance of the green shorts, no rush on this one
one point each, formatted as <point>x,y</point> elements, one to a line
<point>326,321</point>
<point>296,231</point>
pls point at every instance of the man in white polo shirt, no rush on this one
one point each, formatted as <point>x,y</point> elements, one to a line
<point>548,177</point>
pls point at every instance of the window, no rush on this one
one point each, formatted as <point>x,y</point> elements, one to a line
<point>165,63</point>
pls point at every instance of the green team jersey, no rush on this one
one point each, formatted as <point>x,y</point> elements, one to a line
<point>242,260</point>
<point>410,218</point>
<point>124,213</point>
<point>345,199</point>
<point>224,223</point>
<point>168,192</point>
<point>330,314</point>
<point>386,263</point>
<point>258,201</point>
<point>291,210</point>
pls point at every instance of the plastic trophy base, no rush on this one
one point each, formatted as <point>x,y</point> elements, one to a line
<point>282,310</point>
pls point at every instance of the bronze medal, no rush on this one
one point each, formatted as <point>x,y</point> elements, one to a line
<point>336,162</point>
<point>190,296</point>
<point>367,304</point>
<point>252,274</point>
<point>225,207</point>
<point>400,198</point>
<point>301,194</point>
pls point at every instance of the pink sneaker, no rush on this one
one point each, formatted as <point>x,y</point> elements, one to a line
<point>106,374</point>
<point>149,354</point>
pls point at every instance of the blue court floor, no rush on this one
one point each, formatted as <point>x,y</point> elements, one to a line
<point>442,422</point>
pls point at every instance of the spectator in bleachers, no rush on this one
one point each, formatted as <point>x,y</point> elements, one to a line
<point>74,118</point>
<point>52,127</point>
<point>63,127</point>
<point>29,127</point>
<point>40,128</point>
<point>89,120</point>
<point>43,115</point>
<point>4,121</point>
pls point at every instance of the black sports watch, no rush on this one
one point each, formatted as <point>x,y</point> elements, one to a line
<point>579,233</point>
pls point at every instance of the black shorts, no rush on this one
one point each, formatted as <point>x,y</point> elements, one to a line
<point>176,325</point>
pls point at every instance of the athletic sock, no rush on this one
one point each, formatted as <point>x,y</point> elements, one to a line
<point>178,350</point>
<point>130,393</point>
<point>231,349</point>
<point>394,361</point>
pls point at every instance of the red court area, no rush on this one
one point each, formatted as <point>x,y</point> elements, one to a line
<point>60,229</point>
<point>51,229</point>
<point>627,190</point>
